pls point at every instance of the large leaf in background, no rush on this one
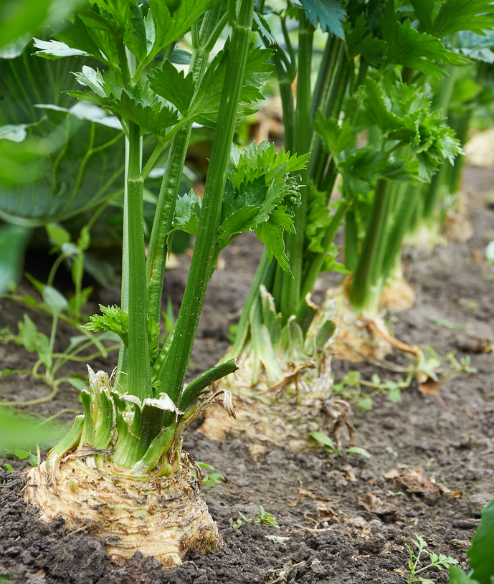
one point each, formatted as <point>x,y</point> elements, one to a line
<point>13,242</point>
<point>51,174</point>
<point>481,553</point>
<point>419,51</point>
<point>476,46</point>
<point>455,15</point>
<point>18,17</point>
<point>328,13</point>
<point>17,431</point>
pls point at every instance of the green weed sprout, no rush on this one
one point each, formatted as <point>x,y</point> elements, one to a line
<point>265,518</point>
<point>435,561</point>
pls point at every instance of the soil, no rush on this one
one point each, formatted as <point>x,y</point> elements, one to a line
<point>342,520</point>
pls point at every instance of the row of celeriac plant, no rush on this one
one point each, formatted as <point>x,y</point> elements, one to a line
<point>136,424</point>
<point>373,132</point>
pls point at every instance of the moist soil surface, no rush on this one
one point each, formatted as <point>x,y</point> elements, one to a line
<point>341,519</point>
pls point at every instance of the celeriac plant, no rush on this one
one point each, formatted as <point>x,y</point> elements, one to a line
<point>132,428</point>
<point>373,51</point>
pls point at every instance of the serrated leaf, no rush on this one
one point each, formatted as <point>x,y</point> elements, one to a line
<point>261,25</point>
<point>337,138</point>
<point>153,118</point>
<point>56,50</point>
<point>76,36</point>
<point>173,19</point>
<point>187,213</point>
<point>135,32</point>
<point>360,41</point>
<point>327,13</point>
<point>173,86</point>
<point>205,106</point>
<point>420,51</point>
<point>456,15</point>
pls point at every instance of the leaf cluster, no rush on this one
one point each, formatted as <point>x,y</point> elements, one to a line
<point>261,195</point>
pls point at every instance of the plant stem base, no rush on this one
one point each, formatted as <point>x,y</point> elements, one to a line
<point>285,413</point>
<point>162,517</point>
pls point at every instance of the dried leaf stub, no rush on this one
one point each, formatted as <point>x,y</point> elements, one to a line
<point>427,385</point>
<point>228,403</point>
<point>414,482</point>
<point>372,503</point>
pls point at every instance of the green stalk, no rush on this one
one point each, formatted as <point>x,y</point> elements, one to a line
<point>165,210</point>
<point>290,295</point>
<point>139,383</point>
<point>173,372</point>
<point>363,291</point>
<point>253,297</point>
<point>400,228</point>
<point>285,85</point>
<point>332,108</point>
<point>325,74</point>
<point>458,166</point>
<point>318,261</point>
<point>121,377</point>
<point>351,241</point>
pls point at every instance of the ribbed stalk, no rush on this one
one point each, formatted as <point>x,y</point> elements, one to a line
<point>332,108</point>
<point>253,297</point>
<point>365,287</point>
<point>400,228</point>
<point>139,367</point>
<point>351,241</point>
<point>290,295</point>
<point>318,261</point>
<point>172,373</point>
<point>165,210</point>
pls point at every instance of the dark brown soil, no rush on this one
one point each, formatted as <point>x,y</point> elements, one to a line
<point>363,540</point>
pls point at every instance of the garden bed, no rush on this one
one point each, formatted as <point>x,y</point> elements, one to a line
<point>344,519</point>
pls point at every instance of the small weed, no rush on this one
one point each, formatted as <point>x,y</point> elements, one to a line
<point>265,518</point>
<point>394,494</point>
<point>436,561</point>
<point>243,519</point>
<point>352,386</point>
<point>329,446</point>
<point>211,479</point>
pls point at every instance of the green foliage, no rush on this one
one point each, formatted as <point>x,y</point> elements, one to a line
<point>480,553</point>
<point>260,195</point>
<point>434,561</point>
<point>453,16</point>
<point>115,320</point>
<point>329,445</point>
<point>329,14</point>
<point>21,432</point>
<point>208,479</point>
<point>13,241</point>
<point>238,524</point>
<point>204,107</point>
<point>265,518</point>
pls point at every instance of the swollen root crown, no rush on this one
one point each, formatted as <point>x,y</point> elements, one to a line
<point>133,496</point>
<point>159,516</point>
